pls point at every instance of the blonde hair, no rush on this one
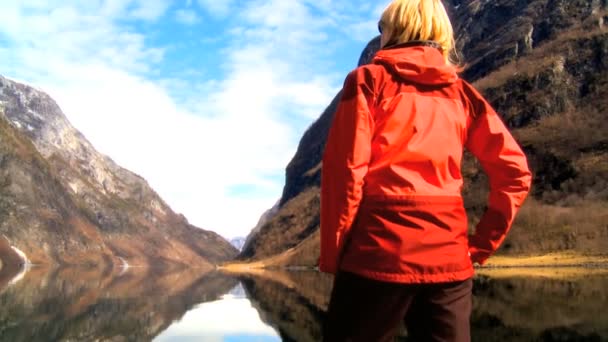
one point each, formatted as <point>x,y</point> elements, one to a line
<point>410,20</point>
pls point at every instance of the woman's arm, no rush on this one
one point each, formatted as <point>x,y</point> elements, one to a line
<point>345,164</point>
<point>509,176</point>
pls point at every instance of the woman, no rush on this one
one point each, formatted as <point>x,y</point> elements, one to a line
<point>393,224</point>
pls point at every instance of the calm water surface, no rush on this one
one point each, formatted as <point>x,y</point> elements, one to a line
<point>230,318</point>
<point>75,304</point>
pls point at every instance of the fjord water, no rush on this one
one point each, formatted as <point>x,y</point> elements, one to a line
<point>230,318</point>
<point>80,304</point>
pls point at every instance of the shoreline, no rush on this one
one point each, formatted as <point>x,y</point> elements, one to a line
<point>552,265</point>
<point>567,259</point>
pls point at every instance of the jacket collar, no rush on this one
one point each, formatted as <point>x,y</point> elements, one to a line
<point>417,61</point>
<point>429,43</point>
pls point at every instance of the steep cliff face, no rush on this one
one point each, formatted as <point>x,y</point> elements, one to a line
<point>490,34</point>
<point>544,66</point>
<point>62,201</point>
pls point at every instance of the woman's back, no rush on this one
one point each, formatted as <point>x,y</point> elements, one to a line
<point>420,121</point>
<point>408,118</point>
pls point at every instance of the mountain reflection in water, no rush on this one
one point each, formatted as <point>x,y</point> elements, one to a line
<point>80,304</point>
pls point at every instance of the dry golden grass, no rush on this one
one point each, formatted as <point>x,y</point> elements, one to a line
<point>242,268</point>
<point>257,270</point>
<point>582,127</point>
<point>542,272</point>
<point>552,265</point>
<point>548,260</point>
<point>282,259</point>
<point>575,227</point>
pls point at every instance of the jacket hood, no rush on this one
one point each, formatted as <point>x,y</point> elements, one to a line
<point>419,64</point>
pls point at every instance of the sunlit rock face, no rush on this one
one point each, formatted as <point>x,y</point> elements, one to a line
<point>543,65</point>
<point>63,202</point>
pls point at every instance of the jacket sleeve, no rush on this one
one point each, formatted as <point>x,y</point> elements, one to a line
<point>345,164</point>
<point>509,177</point>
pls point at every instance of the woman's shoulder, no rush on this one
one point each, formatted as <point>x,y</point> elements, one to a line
<point>370,74</point>
<point>372,69</point>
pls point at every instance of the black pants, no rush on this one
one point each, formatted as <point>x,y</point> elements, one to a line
<point>362,309</point>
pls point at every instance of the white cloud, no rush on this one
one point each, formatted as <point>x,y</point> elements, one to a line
<point>187,17</point>
<point>207,147</point>
<point>149,9</point>
<point>76,34</point>
<point>218,321</point>
<point>192,161</point>
<point>216,7</point>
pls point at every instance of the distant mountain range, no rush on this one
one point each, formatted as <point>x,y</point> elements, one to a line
<point>543,65</point>
<point>62,202</point>
<point>238,242</point>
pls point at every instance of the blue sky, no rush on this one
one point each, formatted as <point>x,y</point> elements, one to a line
<point>206,99</point>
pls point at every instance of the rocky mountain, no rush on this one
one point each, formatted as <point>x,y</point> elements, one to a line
<point>543,64</point>
<point>63,202</point>
<point>252,238</point>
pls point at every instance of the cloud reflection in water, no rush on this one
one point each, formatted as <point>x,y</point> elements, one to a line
<point>230,319</point>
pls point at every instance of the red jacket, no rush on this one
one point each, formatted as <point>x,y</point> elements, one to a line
<point>391,205</point>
